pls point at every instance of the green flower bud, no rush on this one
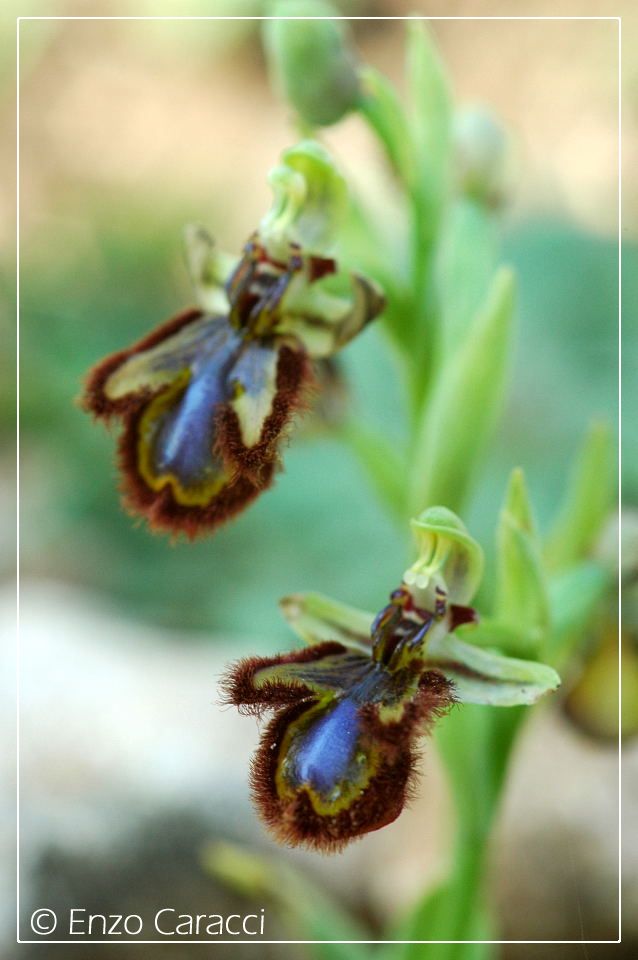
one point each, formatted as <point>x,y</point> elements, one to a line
<point>311,62</point>
<point>521,593</point>
<point>481,155</point>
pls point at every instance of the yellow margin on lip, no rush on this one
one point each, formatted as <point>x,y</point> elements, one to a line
<point>323,807</point>
<point>197,496</point>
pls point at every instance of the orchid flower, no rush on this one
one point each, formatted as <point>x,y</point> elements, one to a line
<point>338,758</point>
<point>206,398</point>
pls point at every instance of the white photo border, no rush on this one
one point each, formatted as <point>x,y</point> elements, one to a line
<point>209,942</point>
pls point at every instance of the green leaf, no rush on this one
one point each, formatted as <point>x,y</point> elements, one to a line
<point>576,597</point>
<point>483,677</point>
<point>457,420</point>
<point>431,124</point>
<point>446,552</point>
<point>381,108</point>
<point>588,501</point>
<point>521,593</point>
<point>316,618</point>
<point>465,265</point>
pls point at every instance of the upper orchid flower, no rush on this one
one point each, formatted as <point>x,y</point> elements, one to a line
<point>206,396</point>
<point>338,758</point>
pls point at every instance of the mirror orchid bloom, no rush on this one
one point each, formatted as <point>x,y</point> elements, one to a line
<point>338,758</point>
<point>206,399</point>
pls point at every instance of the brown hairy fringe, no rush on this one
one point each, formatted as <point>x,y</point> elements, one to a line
<point>160,508</point>
<point>294,821</point>
<point>237,684</point>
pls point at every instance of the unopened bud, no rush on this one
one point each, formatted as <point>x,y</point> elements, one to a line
<point>311,61</point>
<point>481,151</point>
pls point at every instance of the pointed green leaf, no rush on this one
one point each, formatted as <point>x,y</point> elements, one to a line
<point>588,500</point>
<point>483,677</point>
<point>381,109</point>
<point>457,420</point>
<point>576,598</point>
<point>521,592</point>
<point>465,266</point>
<point>316,618</point>
<point>431,101</point>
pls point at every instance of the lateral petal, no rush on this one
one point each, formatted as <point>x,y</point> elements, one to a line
<point>129,377</point>
<point>326,669</point>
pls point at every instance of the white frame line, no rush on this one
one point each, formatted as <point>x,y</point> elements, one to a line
<point>173,939</point>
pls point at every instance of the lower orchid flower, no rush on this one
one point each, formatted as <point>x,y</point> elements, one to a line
<point>338,758</point>
<point>207,397</point>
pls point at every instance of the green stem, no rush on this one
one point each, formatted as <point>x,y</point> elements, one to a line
<point>476,745</point>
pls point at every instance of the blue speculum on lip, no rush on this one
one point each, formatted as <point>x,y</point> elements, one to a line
<point>177,430</point>
<point>322,756</point>
<point>184,441</point>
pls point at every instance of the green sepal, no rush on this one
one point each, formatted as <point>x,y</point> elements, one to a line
<point>483,677</point>
<point>447,555</point>
<point>209,268</point>
<point>310,202</point>
<point>588,501</point>
<point>316,618</point>
<point>459,416</point>
<point>521,592</point>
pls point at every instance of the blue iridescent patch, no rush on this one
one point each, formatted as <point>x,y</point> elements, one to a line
<point>185,438</point>
<point>323,754</point>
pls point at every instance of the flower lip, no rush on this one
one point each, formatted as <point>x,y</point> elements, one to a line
<point>337,760</point>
